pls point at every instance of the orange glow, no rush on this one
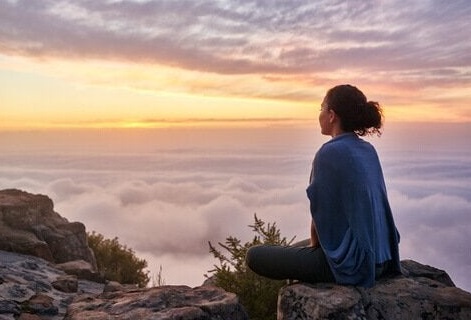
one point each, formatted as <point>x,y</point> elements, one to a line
<point>97,94</point>
<point>142,64</point>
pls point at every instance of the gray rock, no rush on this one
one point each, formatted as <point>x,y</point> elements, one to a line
<point>167,302</point>
<point>41,304</point>
<point>9,307</point>
<point>29,225</point>
<point>113,286</point>
<point>29,316</point>
<point>25,277</point>
<point>68,284</point>
<point>320,301</point>
<point>82,269</point>
<point>414,269</point>
<point>423,292</point>
<point>33,288</point>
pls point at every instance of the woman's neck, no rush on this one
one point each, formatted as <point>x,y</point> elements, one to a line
<point>336,130</point>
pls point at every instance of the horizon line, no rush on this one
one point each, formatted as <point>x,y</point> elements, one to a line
<point>166,123</point>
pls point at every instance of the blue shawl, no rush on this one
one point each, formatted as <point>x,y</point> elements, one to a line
<point>351,211</point>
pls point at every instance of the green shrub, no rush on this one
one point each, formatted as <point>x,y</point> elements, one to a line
<point>118,262</point>
<point>257,294</point>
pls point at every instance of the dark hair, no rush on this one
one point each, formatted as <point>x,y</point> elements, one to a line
<point>356,113</point>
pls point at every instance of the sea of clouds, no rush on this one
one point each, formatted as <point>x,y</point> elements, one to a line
<point>165,193</point>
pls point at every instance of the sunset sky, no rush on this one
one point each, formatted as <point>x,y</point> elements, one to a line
<point>71,63</point>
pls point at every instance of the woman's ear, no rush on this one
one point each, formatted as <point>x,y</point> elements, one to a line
<point>332,116</point>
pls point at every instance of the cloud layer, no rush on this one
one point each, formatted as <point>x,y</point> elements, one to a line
<point>243,36</point>
<point>167,199</point>
<point>419,46</point>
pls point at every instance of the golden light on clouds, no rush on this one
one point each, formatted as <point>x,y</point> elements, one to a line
<point>116,64</point>
<point>63,93</point>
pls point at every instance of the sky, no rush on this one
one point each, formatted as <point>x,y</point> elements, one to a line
<point>97,64</point>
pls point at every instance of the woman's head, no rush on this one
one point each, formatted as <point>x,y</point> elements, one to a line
<point>355,112</point>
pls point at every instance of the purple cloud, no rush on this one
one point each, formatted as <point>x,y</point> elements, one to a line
<point>240,37</point>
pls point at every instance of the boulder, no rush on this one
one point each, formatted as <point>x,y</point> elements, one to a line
<point>28,316</point>
<point>82,269</point>
<point>422,292</point>
<point>66,283</point>
<point>32,288</point>
<point>29,225</point>
<point>163,303</point>
<point>113,286</point>
<point>41,304</point>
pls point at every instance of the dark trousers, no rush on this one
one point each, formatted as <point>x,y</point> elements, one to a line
<point>289,262</point>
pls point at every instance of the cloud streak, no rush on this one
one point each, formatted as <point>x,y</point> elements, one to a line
<point>244,37</point>
<point>277,51</point>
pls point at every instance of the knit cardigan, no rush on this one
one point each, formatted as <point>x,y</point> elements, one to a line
<point>350,208</point>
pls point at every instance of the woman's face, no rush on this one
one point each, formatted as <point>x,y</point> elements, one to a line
<point>325,118</point>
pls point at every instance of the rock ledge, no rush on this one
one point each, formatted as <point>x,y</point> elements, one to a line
<point>423,292</point>
<point>33,289</point>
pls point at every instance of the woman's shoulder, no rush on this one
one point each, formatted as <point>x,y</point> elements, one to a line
<point>332,152</point>
<point>346,147</point>
<point>347,141</point>
<point>340,143</point>
<point>329,149</point>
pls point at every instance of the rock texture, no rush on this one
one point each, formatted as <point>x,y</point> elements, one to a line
<point>81,269</point>
<point>167,302</point>
<point>29,225</point>
<point>423,292</point>
<point>32,288</point>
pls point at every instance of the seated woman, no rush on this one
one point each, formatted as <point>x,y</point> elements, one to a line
<point>353,236</point>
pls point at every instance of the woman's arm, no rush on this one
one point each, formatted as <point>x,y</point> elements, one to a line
<point>314,236</point>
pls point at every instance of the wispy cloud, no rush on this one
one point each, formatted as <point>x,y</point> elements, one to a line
<point>244,36</point>
<point>277,50</point>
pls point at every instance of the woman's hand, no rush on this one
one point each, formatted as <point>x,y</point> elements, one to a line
<point>314,237</point>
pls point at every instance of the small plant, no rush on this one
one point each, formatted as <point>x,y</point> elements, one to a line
<point>257,294</point>
<point>118,262</point>
<point>158,280</point>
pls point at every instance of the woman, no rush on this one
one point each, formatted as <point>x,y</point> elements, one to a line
<point>353,236</point>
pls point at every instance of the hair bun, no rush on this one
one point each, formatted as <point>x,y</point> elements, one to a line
<point>356,113</point>
<point>373,116</point>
